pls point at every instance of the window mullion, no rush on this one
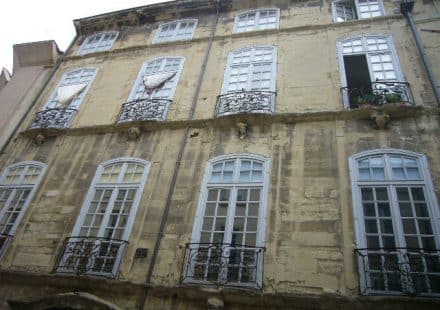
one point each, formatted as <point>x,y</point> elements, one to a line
<point>108,210</point>
<point>6,207</point>
<point>396,217</point>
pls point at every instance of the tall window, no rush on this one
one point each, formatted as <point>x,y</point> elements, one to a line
<point>251,69</point>
<point>98,42</point>
<point>257,20</point>
<point>249,81</point>
<point>368,64</point>
<point>397,223</point>
<point>154,68</point>
<point>176,31</point>
<point>103,227</point>
<point>17,186</point>
<point>228,234</point>
<point>72,89</point>
<point>345,10</point>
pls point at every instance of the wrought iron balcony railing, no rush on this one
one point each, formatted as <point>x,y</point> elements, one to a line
<point>53,118</point>
<point>245,102</point>
<point>223,264</point>
<point>4,241</point>
<point>399,271</point>
<point>377,94</point>
<point>144,109</point>
<point>92,256</point>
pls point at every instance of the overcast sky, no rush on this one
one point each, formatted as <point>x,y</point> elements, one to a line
<point>36,20</point>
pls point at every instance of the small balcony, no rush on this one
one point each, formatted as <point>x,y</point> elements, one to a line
<point>399,271</point>
<point>245,102</point>
<point>53,118</point>
<point>144,110</point>
<point>377,94</point>
<point>4,241</point>
<point>92,256</point>
<point>221,264</point>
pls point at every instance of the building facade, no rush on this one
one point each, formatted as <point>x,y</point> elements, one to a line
<point>230,154</point>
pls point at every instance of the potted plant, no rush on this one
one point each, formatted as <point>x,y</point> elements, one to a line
<point>394,98</point>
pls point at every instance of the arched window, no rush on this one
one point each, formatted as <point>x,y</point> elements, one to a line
<point>176,31</point>
<point>228,236</point>
<point>17,186</point>
<point>153,68</point>
<point>153,91</point>
<point>64,102</point>
<point>72,88</point>
<point>98,42</point>
<point>397,222</point>
<point>257,20</point>
<point>106,219</point>
<point>250,81</point>
<point>370,72</point>
<point>345,10</point>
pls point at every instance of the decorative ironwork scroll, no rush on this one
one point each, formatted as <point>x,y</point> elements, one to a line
<point>91,255</point>
<point>53,118</point>
<point>245,102</point>
<point>400,270</point>
<point>144,109</point>
<point>378,94</point>
<point>223,264</point>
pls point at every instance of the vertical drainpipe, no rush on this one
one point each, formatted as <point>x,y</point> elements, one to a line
<point>179,159</point>
<point>406,6</point>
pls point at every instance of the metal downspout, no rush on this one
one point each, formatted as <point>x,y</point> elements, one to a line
<point>40,91</point>
<point>432,79</point>
<point>178,161</point>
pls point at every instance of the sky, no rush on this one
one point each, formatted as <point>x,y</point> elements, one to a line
<point>24,21</point>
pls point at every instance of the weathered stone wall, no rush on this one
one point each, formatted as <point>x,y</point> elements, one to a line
<point>309,226</point>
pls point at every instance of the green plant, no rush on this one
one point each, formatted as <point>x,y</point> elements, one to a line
<point>393,98</point>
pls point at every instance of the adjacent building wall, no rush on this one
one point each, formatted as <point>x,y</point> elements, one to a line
<point>32,66</point>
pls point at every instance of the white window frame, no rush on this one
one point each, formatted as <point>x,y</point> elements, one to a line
<point>157,38</point>
<point>363,37</point>
<point>83,49</point>
<point>357,182</point>
<point>257,18</point>
<point>95,184</point>
<point>175,80</point>
<point>356,8</point>
<point>34,187</point>
<point>229,65</point>
<point>198,220</point>
<point>52,102</point>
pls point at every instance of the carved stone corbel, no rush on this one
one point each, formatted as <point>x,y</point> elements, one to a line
<point>133,133</point>
<point>215,303</point>
<point>242,130</point>
<point>39,139</point>
<point>380,118</point>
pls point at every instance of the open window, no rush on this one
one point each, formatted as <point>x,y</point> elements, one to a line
<point>153,90</point>
<point>228,238</point>
<point>345,10</point>
<point>66,99</point>
<point>370,72</point>
<point>17,187</point>
<point>397,227</point>
<point>102,230</point>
